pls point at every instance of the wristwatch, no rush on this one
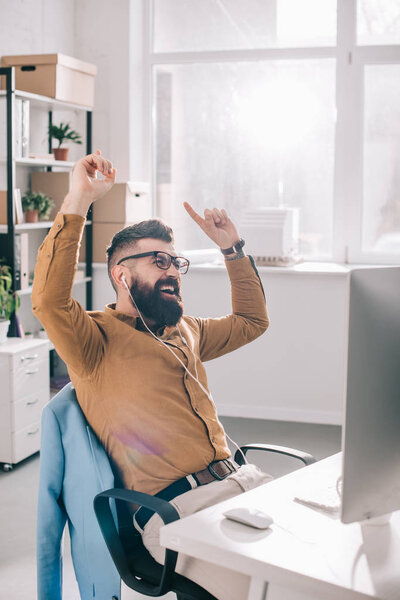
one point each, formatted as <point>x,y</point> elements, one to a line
<point>233,249</point>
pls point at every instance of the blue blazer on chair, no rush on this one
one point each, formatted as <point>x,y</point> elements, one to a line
<point>73,468</point>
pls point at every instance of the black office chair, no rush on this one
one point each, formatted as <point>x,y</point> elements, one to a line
<point>135,565</point>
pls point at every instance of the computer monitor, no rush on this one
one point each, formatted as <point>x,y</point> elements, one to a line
<point>371,435</point>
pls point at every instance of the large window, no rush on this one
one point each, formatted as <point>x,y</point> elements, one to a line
<point>280,103</point>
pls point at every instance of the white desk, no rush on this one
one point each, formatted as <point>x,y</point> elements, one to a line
<point>306,554</point>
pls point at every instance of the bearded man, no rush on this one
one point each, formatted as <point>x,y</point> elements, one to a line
<point>137,367</point>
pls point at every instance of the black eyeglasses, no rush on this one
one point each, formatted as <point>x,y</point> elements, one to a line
<point>163,260</point>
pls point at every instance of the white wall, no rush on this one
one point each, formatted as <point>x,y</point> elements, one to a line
<point>37,26</point>
<point>102,38</point>
<point>93,31</point>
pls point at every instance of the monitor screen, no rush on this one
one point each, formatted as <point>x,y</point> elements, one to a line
<point>371,436</point>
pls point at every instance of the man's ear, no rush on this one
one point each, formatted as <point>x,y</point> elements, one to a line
<point>119,276</point>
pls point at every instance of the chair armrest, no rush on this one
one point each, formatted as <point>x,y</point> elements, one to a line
<point>108,528</point>
<point>307,459</point>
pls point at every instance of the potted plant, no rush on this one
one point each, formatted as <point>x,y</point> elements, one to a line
<point>36,206</point>
<point>62,133</point>
<point>9,300</point>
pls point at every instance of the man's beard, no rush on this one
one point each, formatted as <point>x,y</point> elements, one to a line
<point>157,306</point>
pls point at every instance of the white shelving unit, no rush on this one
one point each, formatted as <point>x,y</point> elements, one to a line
<point>17,171</point>
<point>49,103</point>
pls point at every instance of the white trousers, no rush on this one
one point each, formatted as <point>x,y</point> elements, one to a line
<point>222,583</point>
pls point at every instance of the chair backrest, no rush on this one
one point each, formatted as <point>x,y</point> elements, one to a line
<point>73,468</point>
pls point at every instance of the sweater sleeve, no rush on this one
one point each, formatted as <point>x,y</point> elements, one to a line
<point>249,318</point>
<point>52,516</point>
<point>75,335</point>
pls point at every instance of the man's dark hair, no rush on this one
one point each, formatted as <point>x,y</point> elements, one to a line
<point>127,237</point>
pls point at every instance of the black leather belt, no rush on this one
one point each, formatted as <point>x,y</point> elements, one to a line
<point>216,471</point>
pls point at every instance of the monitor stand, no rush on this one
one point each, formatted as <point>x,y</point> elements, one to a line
<point>377,521</point>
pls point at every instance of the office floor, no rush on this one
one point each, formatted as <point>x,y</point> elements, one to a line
<point>18,499</point>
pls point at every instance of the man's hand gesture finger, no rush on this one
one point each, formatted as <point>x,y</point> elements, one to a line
<point>216,224</point>
<point>195,216</point>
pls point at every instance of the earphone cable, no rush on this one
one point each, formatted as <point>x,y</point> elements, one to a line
<point>208,394</point>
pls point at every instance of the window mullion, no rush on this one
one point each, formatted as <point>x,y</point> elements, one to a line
<point>347,199</point>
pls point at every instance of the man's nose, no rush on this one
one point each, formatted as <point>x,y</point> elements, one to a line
<point>173,271</point>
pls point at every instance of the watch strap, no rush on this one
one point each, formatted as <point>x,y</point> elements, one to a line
<point>233,249</point>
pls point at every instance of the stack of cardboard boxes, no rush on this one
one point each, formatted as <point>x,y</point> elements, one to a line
<point>125,204</point>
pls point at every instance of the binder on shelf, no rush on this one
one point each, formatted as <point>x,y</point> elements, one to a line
<point>3,127</point>
<point>18,128</point>
<point>19,213</point>
<point>25,133</point>
<point>21,261</point>
<point>21,128</point>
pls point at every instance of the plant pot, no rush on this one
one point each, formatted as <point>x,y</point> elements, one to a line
<point>31,216</point>
<point>4,325</point>
<point>61,153</point>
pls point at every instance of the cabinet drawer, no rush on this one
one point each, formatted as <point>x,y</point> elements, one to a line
<point>25,442</point>
<point>30,379</point>
<point>28,358</point>
<point>29,410</point>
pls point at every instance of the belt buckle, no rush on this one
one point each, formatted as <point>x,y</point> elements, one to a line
<point>215,474</point>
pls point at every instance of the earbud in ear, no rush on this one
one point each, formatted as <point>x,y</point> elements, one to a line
<point>123,278</point>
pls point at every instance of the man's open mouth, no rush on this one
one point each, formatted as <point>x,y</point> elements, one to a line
<point>169,290</point>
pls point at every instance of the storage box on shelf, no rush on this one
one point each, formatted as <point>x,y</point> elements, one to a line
<point>125,204</point>
<point>102,236</point>
<point>54,75</point>
<point>24,375</point>
<point>55,185</point>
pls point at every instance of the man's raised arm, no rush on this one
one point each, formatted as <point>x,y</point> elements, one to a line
<point>76,337</point>
<point>249,318</point>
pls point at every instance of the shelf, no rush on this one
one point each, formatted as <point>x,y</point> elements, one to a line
<point>40,162</point>
<point>28,290</point>
<point>31,226</point>
<point>28,226</point>
<point>46,102</point>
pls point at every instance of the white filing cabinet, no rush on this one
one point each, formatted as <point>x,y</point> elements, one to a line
<point>24,391</point>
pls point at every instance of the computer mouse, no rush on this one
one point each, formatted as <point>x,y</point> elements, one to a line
<point>249,516</point>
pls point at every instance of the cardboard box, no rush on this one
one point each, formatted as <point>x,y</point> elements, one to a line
<point>54,75</point>
<point>19,216</point>
<point>55,185</point>
<point>3,207</point>
<point>127,202</point>
<point>102,236</point>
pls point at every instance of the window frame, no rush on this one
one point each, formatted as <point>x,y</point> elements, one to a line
<point>351,60</point>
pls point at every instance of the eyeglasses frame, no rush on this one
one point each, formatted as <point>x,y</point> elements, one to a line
<point>154,253</point>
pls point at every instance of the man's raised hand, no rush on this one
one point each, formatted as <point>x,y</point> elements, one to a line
<point>85,188</point>
<point>216,224</point>
<point>84,179</point>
